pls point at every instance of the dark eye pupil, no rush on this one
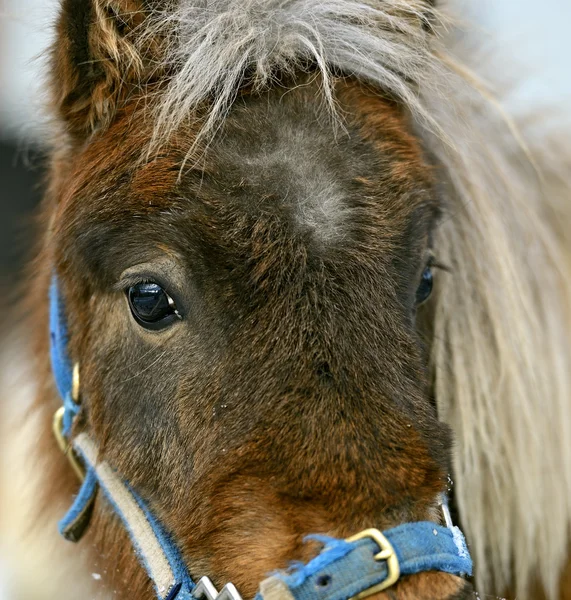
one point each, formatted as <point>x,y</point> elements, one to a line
<point>425,288</point>
<point>149,303</point>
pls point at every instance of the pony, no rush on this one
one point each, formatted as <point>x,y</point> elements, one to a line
<point>313,273</point>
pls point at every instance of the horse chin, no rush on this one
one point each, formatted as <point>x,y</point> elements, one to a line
<point>424,586</point>
<point>428,586</point>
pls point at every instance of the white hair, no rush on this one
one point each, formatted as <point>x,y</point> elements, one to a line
<point>502,331</point>
<point>212,44</point>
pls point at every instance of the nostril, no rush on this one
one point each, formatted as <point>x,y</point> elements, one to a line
<point>323,581</point>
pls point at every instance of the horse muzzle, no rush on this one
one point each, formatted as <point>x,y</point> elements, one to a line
<point>362,566</point>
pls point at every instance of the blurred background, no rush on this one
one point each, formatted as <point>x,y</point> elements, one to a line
<point>24,35</point>
<point>531,37</point>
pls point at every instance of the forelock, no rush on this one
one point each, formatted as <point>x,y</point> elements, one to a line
<point>213,48</point>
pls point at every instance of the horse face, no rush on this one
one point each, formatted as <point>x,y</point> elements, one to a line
<point>245,323</point>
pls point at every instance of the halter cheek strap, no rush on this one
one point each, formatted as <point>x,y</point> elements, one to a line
<point>345,569</point>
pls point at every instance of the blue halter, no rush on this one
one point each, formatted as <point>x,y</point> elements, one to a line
<point>344,569</point>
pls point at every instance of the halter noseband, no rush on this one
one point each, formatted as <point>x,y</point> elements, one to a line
<point>364,564</point>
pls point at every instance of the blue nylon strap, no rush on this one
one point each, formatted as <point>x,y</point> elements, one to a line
<point>61,363</point>
<point>344,569</point>
<point>80,510</point>
<point>182,585</point>
<point>170,549</point>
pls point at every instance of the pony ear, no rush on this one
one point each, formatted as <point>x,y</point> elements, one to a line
<point>97,60</point>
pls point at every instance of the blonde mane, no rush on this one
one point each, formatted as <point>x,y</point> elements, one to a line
<point>210,46</point>
<point>501,343</point>
<point>500,353</point>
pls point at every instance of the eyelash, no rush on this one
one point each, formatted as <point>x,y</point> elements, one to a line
<point>433,263</point>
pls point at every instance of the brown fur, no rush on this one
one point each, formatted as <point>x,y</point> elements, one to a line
<point>97,63</point>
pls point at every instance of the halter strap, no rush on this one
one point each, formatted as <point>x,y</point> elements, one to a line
<point>344,569</point>
<point>155,549</point>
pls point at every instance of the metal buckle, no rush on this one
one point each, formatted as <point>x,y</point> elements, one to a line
<point>205,589</point>
<point>387,554</point>
<point>57,428</point>
<point>64,444</point>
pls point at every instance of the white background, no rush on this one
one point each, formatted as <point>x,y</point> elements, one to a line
<point>25,33</point>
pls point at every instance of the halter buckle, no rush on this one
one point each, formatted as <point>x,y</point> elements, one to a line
<point>387,554</point>
<point>64,444</point>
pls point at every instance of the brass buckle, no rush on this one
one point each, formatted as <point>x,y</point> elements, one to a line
<point>57,428</point>
<point>65,446</point>
<point>387,554</point>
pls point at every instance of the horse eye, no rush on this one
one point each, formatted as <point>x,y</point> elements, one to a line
<point>425,288</point>
<point>151,306</point>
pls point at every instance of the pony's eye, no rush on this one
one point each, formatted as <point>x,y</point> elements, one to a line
<point>151,306</point>
<point>425,288</point>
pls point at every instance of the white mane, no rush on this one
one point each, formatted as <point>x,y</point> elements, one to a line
<point>212,43</point>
